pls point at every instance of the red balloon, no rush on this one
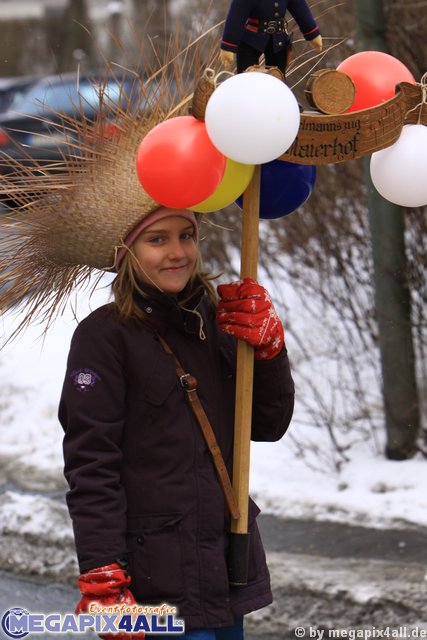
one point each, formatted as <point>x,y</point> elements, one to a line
<point>177,164</point>
<point>375,75</point>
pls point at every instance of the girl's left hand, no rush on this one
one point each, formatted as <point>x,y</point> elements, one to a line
<point>245,311</point>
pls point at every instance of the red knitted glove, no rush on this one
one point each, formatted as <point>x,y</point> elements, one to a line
<point>107,586</point>
<point>246,312</point>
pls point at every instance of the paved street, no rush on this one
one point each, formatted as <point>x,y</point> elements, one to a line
<point>324,575</point>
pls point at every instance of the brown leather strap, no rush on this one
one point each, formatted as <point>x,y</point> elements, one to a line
<point>189,384</point>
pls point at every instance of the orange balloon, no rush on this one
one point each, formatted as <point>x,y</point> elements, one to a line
<point>177,164</point>
<point>375,75</point>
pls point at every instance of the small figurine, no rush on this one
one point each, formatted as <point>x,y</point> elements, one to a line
<point>254,27</point>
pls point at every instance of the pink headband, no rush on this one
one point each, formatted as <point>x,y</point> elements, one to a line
<point>150,219</point>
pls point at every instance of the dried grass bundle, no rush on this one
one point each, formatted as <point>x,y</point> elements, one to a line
<point>71,216</point>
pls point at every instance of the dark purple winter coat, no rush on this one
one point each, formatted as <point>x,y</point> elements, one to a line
<point>142,483</point>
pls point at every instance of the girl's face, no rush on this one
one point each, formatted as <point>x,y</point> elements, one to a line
<point>167,253</point>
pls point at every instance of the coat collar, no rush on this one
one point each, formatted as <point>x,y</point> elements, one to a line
<point>167,310</point>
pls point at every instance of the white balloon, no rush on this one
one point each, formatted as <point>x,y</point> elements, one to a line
<point>399,172</point>
<point>252,118</point>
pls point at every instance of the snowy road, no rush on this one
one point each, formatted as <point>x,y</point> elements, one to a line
<point>334,576</point>
<point>325,576</point>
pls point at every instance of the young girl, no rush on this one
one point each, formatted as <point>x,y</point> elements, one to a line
<point>148,511</point>
<point>150,517</point>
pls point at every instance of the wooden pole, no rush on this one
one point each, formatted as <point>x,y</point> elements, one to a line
<point>239,541</point>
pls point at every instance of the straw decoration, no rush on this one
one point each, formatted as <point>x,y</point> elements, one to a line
<point>71,216</point>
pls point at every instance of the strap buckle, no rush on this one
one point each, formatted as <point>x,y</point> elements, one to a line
<point>184,380</point>
<point>272,26</point>
<point>188,382</point>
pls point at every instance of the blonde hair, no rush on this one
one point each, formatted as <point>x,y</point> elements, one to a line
<point>127,283</point>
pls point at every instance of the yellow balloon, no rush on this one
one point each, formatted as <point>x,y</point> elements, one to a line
<point>237,177</point>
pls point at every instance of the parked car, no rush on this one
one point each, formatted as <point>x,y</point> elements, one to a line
<point>32,129</point>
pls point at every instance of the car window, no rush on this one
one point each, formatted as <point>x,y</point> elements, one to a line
<point>67,97</point>
<point>112,94</point>
<point>4,100</point>
<point>11,96</point>
<point>43,97</point>
<point>15,97</point>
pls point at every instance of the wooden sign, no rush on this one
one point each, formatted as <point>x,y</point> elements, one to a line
<point>339,137</point>
<point>329,139</point>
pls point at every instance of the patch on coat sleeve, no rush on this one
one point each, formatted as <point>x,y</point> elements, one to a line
<point>84,379</point>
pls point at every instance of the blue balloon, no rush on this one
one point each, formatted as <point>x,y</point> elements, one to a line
<point>285,186</point>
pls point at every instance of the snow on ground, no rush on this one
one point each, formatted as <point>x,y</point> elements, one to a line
<point>367,491</point>
<point>289,478</point>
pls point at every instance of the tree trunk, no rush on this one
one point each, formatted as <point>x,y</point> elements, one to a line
<point>392,294</point>
<point>152,18</point>
<point>77,42</point>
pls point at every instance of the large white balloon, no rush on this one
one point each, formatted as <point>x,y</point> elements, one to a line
<point>252,118</point>
<point>399,172</point>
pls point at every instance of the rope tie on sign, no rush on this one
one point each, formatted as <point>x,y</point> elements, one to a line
<point>203,91</point>
<point>229,74</point>
<point>423,85</point>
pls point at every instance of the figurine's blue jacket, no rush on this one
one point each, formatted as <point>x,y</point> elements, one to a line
<point>244,15</point>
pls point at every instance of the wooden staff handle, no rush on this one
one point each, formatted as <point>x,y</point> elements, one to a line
<point>239,539</point>
<point>245,360</point>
